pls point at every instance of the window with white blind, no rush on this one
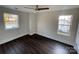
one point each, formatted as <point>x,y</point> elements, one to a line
<point>64,24</point>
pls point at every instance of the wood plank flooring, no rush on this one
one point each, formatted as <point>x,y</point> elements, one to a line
<point>35,44</point>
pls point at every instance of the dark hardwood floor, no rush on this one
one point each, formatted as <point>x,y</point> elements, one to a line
<point>35,44</point>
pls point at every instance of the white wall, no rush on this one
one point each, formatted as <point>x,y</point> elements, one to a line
<point>7,35</point>
<point>48,25</point>
<point>33,23</point>
<point>77,40</point>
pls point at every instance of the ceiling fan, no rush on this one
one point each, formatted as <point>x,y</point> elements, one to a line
<point>37,8</point>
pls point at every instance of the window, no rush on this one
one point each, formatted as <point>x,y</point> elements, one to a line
<point>64,24</point>
<point>11,21</point>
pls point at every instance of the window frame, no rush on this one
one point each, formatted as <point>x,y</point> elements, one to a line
<point>16,21</point>
<point>65,33</point>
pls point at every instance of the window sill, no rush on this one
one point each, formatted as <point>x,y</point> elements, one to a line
<point>63,34</point>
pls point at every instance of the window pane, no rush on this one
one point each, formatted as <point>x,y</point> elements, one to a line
<point>60,27</point>
<point>65,28</point>
<point>61,22</point>
<point>67,22</point>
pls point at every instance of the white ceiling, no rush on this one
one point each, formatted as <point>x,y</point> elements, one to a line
<point>51,7</point>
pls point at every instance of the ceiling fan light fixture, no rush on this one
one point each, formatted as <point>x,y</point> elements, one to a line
<point>16,8</point>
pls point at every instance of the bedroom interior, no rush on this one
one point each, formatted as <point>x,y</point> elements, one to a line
<point>39,29</point>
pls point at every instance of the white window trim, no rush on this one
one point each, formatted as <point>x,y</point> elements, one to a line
<point>65,34</point>
<point>17,22</point>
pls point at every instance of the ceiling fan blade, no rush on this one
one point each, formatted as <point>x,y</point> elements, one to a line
<point>37,8</point>
<point>42,8</point>
<point>28,8</point>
